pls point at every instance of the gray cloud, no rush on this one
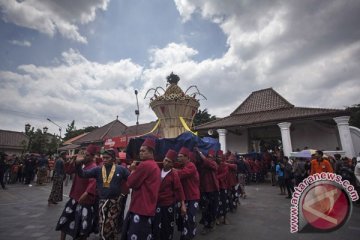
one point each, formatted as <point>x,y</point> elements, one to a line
<point>49,16</point>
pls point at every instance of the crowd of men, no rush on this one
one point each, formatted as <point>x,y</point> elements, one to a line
<point>165,196</point>
<point>26,169</point>
<point>289,173</point>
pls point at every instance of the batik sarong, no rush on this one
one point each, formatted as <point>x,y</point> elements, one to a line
<point>137,227</point>
<point>209,207</point>
<point>77,220</point>
<point>164,222</point>
<point>188,222</point>
<point>223,203</point>
<point>56,194</point>
<point>41,175</point>
<point>109,210</point>
<point>233,199</point>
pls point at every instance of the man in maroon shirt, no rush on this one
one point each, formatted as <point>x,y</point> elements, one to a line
<point>223,185</point>
<point>171,191</point>
<point>144,181</point>
<point>189,178</point>
<point>209,188</point>
<point>232,182</point>
<point>77,219</point>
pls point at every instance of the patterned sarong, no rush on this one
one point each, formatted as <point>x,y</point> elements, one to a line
<point>109,210</point>
<point>233,199</point>
<point>56,194</point>
<point>188,223</point>
<point>137,227</point>
<point>223,203</point>
<point>164,222</point>
<point>77,220</point>
<point>209,207</point>
<point>41,175</point>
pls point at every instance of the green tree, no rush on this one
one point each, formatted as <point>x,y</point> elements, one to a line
<point>202,116</point>
<point>40,142</point>
<point>71,130</point>
<point>354,115</point>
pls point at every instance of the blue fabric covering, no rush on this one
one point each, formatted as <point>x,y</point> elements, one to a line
<point>186,139</point>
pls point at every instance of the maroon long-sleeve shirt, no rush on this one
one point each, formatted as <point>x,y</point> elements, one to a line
<point>232,178</point>
<point>81,185</point>
<point>171,190</point>
<point>222,175</point>
<point>189,178</point>
<point>208,179</point>
<point>145,183</point>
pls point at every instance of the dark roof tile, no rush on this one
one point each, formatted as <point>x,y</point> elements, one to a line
<point>262,100</point>
<point>12,139</point>
<point>112,129</point>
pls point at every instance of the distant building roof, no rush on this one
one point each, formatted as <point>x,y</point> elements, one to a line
<point>71,140</point>
<point>69,147</point>
<point>12,140</point>
<point>265,107</point>
<point>112,129</point>
<point>263,100</point>
<point>141,129</point>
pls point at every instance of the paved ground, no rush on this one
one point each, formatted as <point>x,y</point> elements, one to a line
<point>24,214</point>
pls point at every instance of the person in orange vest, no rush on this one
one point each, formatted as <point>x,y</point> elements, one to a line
<point>319,165</point>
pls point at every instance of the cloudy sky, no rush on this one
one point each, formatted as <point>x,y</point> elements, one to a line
<point>81,60</point>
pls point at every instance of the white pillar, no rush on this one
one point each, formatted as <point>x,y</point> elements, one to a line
<point>285,136</point>
<point>256,145</point>
<point>222,139</point>
<point>345,136</point>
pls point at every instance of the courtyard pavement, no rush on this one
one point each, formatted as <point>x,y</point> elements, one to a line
<point>24,214</point>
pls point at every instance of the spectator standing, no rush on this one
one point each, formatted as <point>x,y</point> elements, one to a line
<point>56,194</point>
<point>29,168</point>
<point>42,166</point>
<point>288,177</point>
<point>51,165</point>
<point>280,175</point>
<point>3,167</point>
<point>319,165</point>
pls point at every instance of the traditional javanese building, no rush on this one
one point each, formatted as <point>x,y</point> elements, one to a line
<point>266,119</point>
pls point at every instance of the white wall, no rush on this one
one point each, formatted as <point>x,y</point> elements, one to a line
<point>355,135</point>
<point>237,143</point>
<point>314,135</point>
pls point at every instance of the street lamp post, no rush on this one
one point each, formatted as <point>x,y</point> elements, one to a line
<point>45,129</point>
<point>137,112</point>
<point>57,150</point>
<point>56,125</point>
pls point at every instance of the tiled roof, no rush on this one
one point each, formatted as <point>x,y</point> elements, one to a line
<point>74,139</point>
<point>69,147</point>
<point>140,129</point>
<point>11,139</point>
<point>267,107</point>
<point>112,129</point>
<point>262,100</point>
